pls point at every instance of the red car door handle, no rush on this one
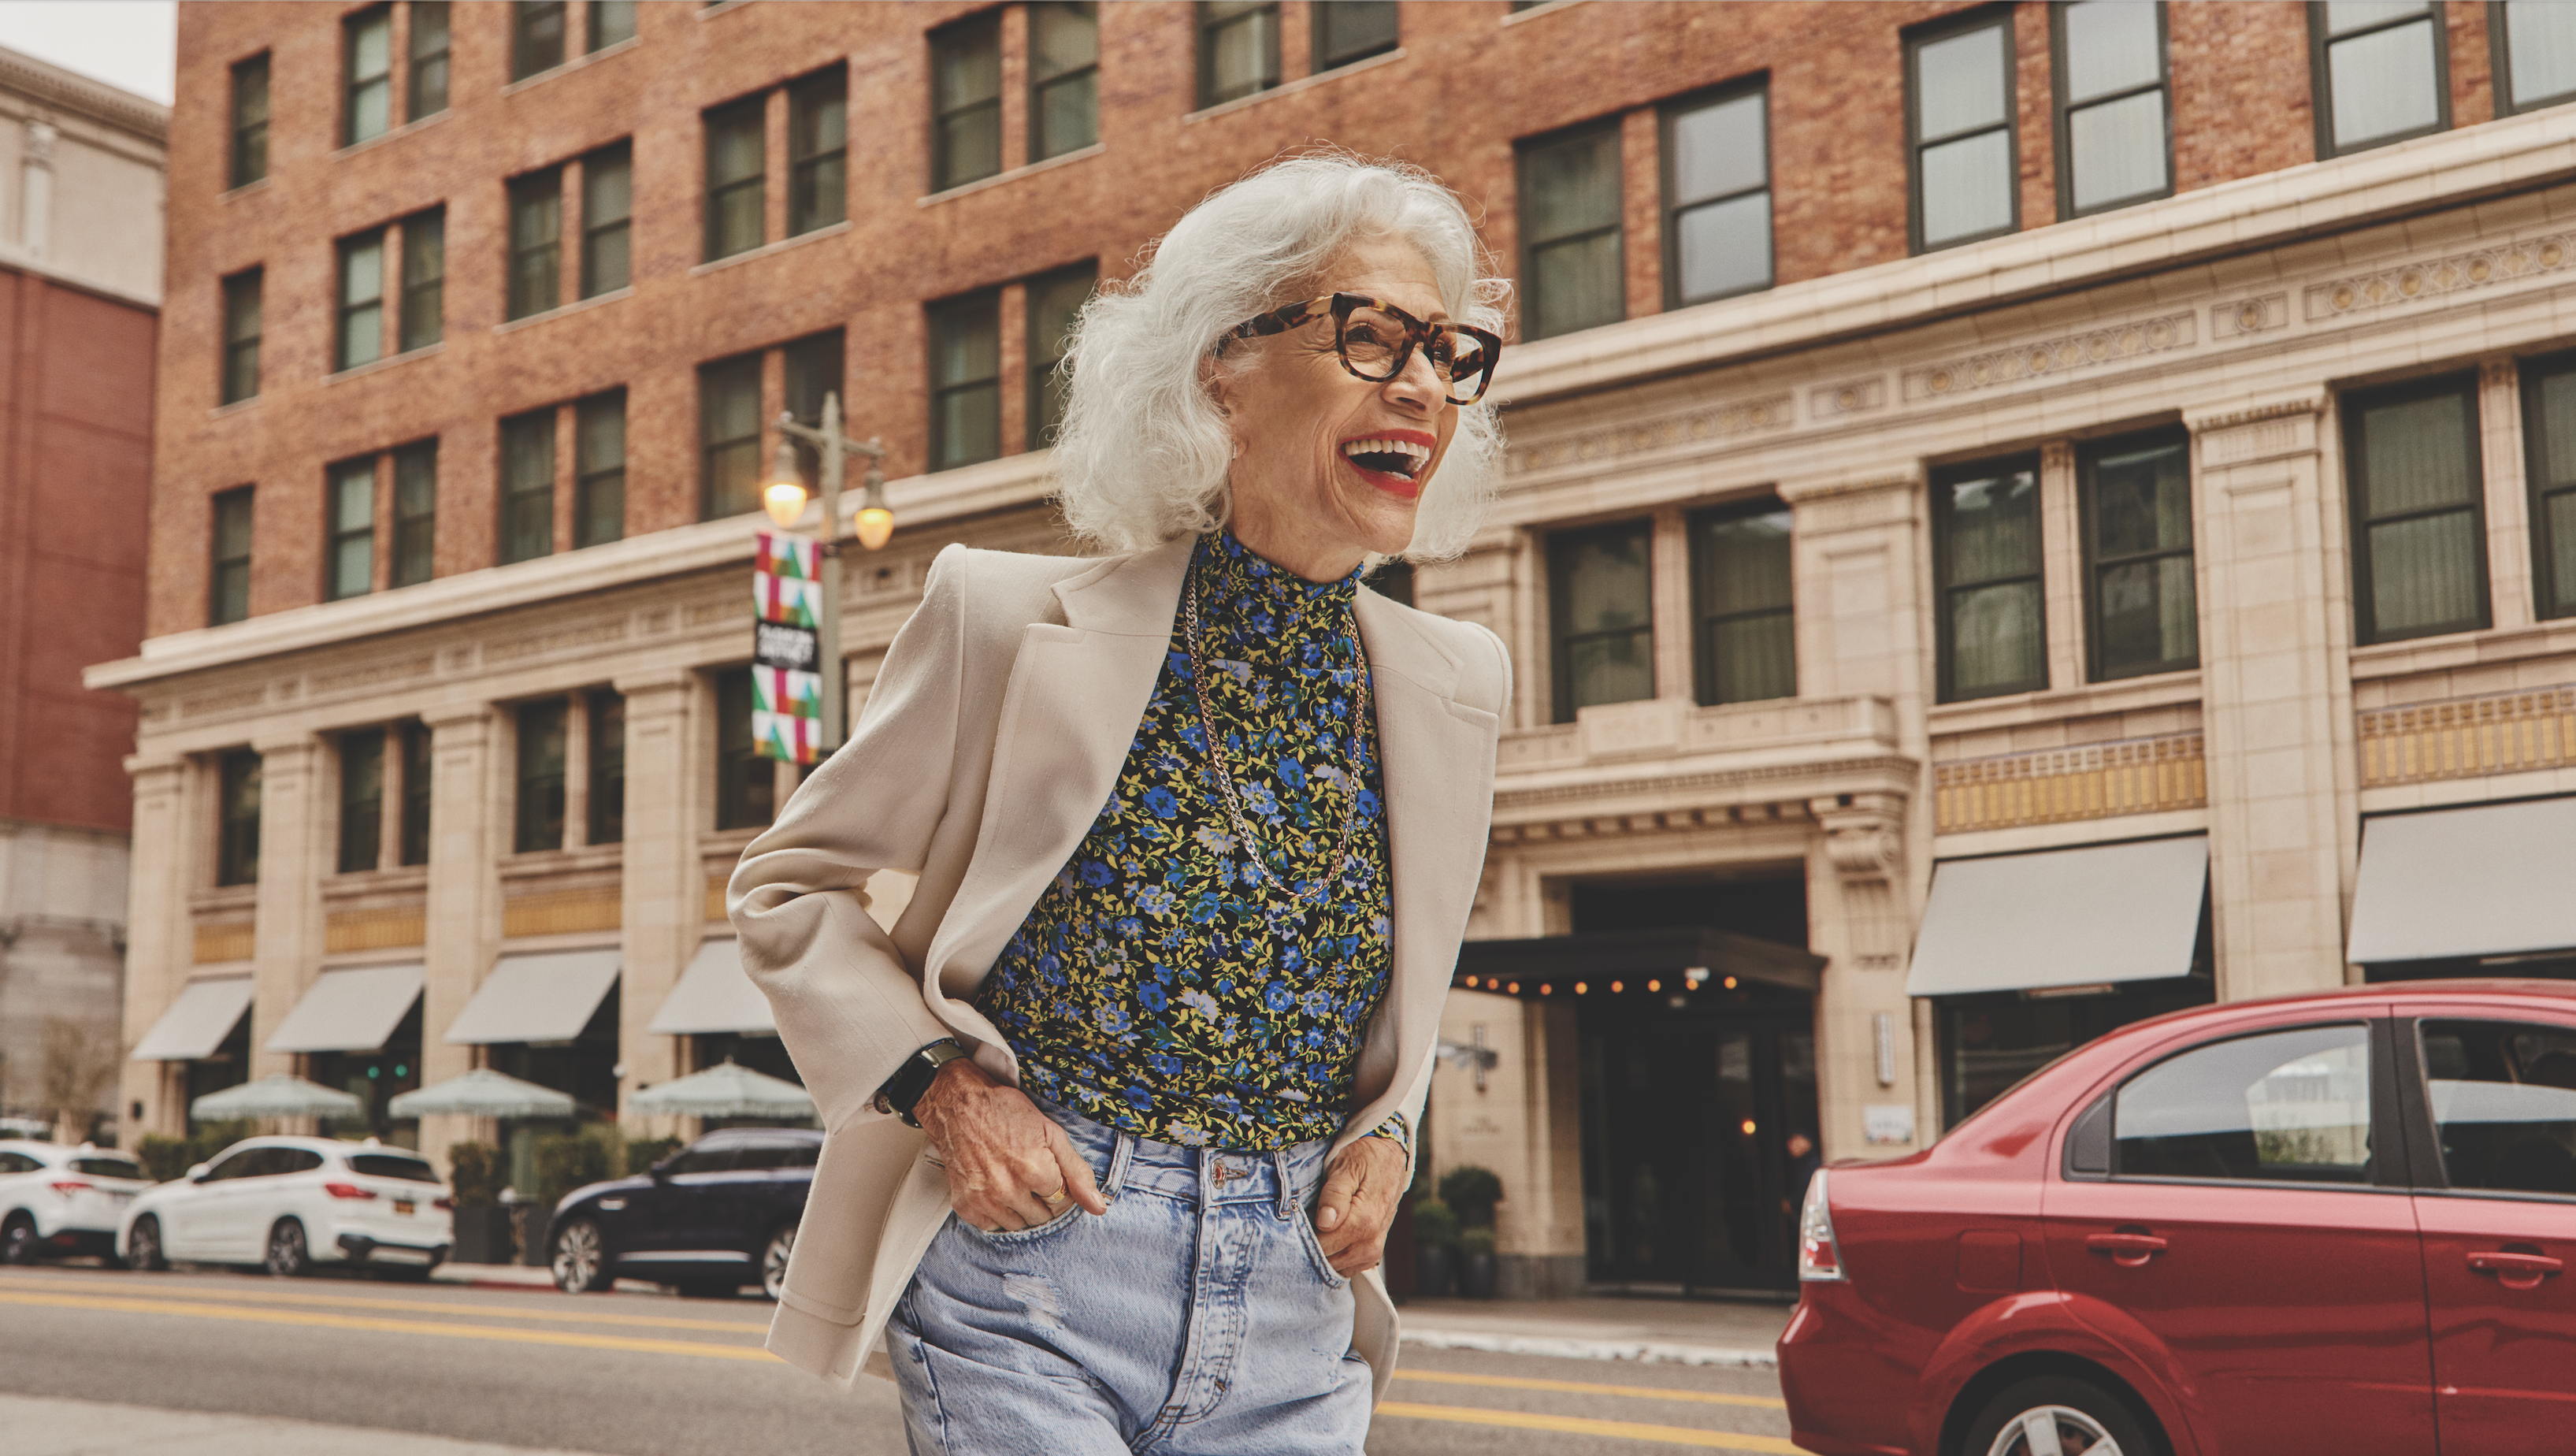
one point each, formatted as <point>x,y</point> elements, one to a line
<point>2131,1250</point>
<point>2519,1271</point>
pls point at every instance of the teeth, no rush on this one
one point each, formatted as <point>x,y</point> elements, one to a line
<point>1387,447</point>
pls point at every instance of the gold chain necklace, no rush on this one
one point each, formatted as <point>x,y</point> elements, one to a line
<point>1259,855</point>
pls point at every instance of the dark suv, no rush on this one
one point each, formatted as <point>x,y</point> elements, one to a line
<point>711,1218</point>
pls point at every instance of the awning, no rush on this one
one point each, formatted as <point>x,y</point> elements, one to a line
<point>1595,959</point>
<point>2483,881</point>
<point>349,1011</point>
<point>714,995</point>
<point>2099,915</point>
<point>536,998</point>
<point>197,1022</point>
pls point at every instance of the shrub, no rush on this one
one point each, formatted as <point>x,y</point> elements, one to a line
<point>166,1158</point>
<point>568,1161</point>
<point>1473,1192</point>
<point>474,1174</point>
<point>1435,1225</point>
<point>643,1153</point>
<point>1477,1240</point>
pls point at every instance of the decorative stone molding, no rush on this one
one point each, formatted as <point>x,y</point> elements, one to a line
<point>1714,422</point>
<point>1598,826</point>
<point>2433,277</point>
<point>2042,358</point>
<point>1800,492</point>
<point>1782,780</point>
<point>1849,397</point>
<point>2249,316</point>
<point>222,941</point>
<point>2284,409</point>
<point>351,930</point>
<point>549,644</point>
<point>2461,738</point>
<point>563,912</point>
<point>1864,835</point>
<point>371,675</point>
<point>2056,785</point>
<point>2250,436</point>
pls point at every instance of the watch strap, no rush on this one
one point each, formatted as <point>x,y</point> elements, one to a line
<point>903,1091</point>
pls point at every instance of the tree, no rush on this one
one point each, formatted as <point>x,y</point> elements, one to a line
<point>76,1065</point>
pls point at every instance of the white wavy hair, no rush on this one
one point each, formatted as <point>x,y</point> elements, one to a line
<point>1143,451</point>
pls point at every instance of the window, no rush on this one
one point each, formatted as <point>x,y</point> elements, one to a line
<point>2284,1106</point>
<point>362,799</point>
<point>367,61</point>
<point>1393,580</point>
<point>536,37</point>
<point>540,819</point>
<point>2379,69</point>
<point>2504,1104</point>
<point>1570,233</point>
<point>2140,605</point>
<point>241,336</point>
<point>729,436</point>
<point>361,338</point>
<point>428,92</point>
<point>818,140</point>
<point>1985,542</point>
<point>415,793</point>
<point>2535,54</point>
<point>1238,49</point>
<point>2549,438</point>
<point>1601,600</point>
<point>1959,84</point>
<point>737,182</point>
<point>2114,132</point>
<point>250,120</point>
<point>1055,301</point>
<point>607,213</point>
<point>1352,30</point>
<point>536,242</point>
<point>352,563</point>
<point>746,789</point>
<point>1064,78</point>
<point>2419,559</point>
<point>607,768</point>
<point>237,818</point>
<point>599,470</point>
<point>415,513</point>
<point>424,279</point>
<point>965,101</point>
<point>611,21</point>
<point>228,583</point>
<point>1746,648</point>
<point>1717,197</point>
<point>965,381</point>
<point>528,486</point>
<point>813,371</point>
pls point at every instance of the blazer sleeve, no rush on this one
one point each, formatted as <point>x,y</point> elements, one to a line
<point>848,1006</point>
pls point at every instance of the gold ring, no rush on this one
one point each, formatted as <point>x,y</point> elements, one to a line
<point>1057,1196</point>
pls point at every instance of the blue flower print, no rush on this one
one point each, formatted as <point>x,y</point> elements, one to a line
<point>1292,773</point>
<point>1278,997</point>
<point>1096,874</point>
<point>1160,803</point>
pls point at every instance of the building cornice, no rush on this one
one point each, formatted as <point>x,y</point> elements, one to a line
<point>96,100</point>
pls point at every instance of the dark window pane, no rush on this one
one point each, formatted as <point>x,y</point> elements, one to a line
<point>1573,187</point>
<point>1720,149</point>
<point>817,146</point>
<point>1967,188</point>
<point>2540,39</point>
<point>424,271</point>
<point>237,819</point>
<point>367,53</point>
<point>1960,83</point>
<point>1741,589</point>
<point>415,513</point>
<point>415,796</point>
<point>2118,149</point>
<point>1602,610</point>
<point>965,102</point>
<point>362,799</point>
<point>1997,642</point>
<point>353,528</point>
<point>813,371</point>
<point>536,37</point>
<point>2559,565</point>
<point>2110,46</point>
<point>250,120</point>
<point>2504,1104</point>
<point>1724,247</point>
<point>2343,17</point>
<point>536,243</point>
<point>1054,302</point>
<point>2416,454</point>
<point>528,486</point>
<point>1988,530</point>
<point>1570,223</point>
<point>1994,526</point>
<point>729,434</point>
<point>428,58</point>
<point>2143,501</point>
<point>2145,610</point>
<point>607,768</point>
<point>610,22</point>
<point>228,590</point>
<point>965,382</point>
<point>1347,30</point>
<point>2385,84</point>
<point>746,788</point>
<point>2288,1106</point>
<point>737,181</point>
<point>362,300</point>
<point>1064,77</point>
<point>2419,558</point>
<point>2423,573</point>
<point>392,1165</point>
<point>241,336</point>
<point>599,506</point>
<point>540,820</point>
<point>607,204</point>
<point>1238,49</point>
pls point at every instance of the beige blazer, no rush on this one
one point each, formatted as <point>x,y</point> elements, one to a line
<point>993,735</point>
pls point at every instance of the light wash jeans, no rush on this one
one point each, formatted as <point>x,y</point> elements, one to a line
<point>1198,1317</point>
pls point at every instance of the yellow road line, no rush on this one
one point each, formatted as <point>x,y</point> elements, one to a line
<point>422,1306</point>
<point>1580,1426</point>
<point>1586,1387</point>
<point>135,1305</point>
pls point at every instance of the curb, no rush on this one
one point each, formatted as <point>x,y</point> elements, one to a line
<point>1562,1347</point>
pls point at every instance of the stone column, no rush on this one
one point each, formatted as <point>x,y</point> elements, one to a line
<point>36,191</point>
<point>294,847</point>
<point>1859,877</point>
<point>576,770</point>
<point>159,944</point>
<point>464,900</point>
<point>389,800</point>
<point>2276,683</point>
<point>664,891</point>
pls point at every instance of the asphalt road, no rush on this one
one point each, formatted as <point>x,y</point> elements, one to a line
<point>649,1375</point>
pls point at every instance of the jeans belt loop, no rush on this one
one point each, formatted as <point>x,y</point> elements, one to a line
<point>1122,1148</point>
<point>1287,1186</point>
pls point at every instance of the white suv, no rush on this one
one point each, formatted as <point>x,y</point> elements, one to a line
<point>58,1200</point>
<point>293,1202</point>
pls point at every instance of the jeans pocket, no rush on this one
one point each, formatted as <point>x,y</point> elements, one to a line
<point>1333,1278</point>
<point>1031,1235</point>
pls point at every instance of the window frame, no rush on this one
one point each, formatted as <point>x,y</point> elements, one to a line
<point>2533,374</point>
<point>2431,1170</point>
<point>515,499</point>
<point>1757,84</point>
<point>1206,28</point>
<point>237,777</point>
<point>346,311</point>
<point>987,302</point>
<point>531,813</point>
<point>1043,357</point>
<point>1560,663</point>
<point>1999,18</point>
<point>2065,109</point>
<point>223,567</point>
<point>2088,455</point>
<point>590,476</point>
<point>1703,639</point>
<point>596,164</point>
<point>2353,405</point>
<point>1320,61</point>
<point>249,134</point>
<point>804,173</point>
<point>251,281</point>
<point>714,194</point>
<point>352,84</point>
<point>1945,650</point>
<point>424,234</point>
<point>541,190</point>
<point>338,534</point>
<point>525,17</point>
<point>1528,247</point>
<point>418,765</point>
<point>739,765</point>
<point>414,530</point>
<point>985,28</point>
<point>2390,1168</point>
<point>2321,77</point>
<point>593,26</point>
<point>708,446</point>
<point>361,821</point>
<point>605,811</point>
<point>1040,148</point>
<point>2500,56</point>
<point>419,62</point>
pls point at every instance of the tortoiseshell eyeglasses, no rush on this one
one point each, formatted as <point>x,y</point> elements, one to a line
<point>1376,340</point>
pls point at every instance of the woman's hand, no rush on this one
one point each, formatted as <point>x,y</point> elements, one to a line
<point>1009,1165</point>
<point>1358,1203</point>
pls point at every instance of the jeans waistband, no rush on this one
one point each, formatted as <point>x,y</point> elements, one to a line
<point>1287,1177</point>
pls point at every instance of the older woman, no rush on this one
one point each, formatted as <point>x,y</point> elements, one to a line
<point>1120,1110</point>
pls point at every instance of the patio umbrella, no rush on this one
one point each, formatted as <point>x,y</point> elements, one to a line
<point>726,1090</point>
<point>483,1093</point>
<point>278,1096</point>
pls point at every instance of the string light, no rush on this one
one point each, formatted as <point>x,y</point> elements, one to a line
<point>1471,983</point>
<point>1580,988</point>
<point>1514,988</point>
<point>1617,986</point>
<point>1730,983</point>
<point>1654,985</point>
<point>1748,1127</point>
<point>1544,988</point>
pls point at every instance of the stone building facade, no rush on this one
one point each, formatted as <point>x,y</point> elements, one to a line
<point>2015,514</point>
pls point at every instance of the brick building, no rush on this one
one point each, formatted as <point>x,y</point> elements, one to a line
<point>80,282</point>
<point>2018,517</point>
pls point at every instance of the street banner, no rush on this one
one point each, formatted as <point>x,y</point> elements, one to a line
<point>787,660</point>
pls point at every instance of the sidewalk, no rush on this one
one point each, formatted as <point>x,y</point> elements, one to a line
<point>40,1426</point>
<point>516,1276</point>
<point>1680,1331</point>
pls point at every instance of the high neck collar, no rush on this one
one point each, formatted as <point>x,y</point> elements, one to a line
<point>1239,579</point>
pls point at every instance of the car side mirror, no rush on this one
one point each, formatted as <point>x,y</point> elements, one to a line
<point>198,1173</point>
<point>661,1171</point>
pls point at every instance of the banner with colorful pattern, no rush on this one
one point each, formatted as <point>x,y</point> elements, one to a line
<point>787,714</point>
<point>787,684</point>
<point>786,580</point>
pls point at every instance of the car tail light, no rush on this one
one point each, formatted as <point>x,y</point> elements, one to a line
<point>347,1190</point>
<point>72,1187</point>
<point>1818,1255</point>
<point>443,1204</point>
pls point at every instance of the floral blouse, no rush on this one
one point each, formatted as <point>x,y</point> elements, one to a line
<point>1161,984</point>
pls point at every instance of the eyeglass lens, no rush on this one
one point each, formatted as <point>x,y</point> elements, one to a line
<point>1374,345</point>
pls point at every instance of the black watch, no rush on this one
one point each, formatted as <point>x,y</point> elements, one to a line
<point>903,1090</point>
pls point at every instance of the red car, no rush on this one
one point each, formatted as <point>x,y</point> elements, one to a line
<point>2330,1223</point>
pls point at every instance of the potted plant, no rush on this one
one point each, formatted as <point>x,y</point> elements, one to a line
<point>1435,1249</point>
<point>1471,1192</point>
<point>1476,1263</point>
<point>482,1224</point>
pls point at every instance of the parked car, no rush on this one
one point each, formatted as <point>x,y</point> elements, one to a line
<point>57,1200</point>
<point>2337,1222</point>
<point>719,1214</point>
<point>292,1203</point>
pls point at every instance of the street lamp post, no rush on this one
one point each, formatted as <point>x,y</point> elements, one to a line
<point>783,496</point>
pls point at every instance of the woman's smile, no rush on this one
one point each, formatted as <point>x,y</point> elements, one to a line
<point>1391,460</point>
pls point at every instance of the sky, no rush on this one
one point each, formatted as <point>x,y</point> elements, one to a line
<point>129,43</point>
